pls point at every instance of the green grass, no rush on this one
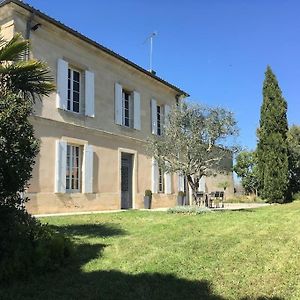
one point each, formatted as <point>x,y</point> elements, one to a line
<point>251,254</point>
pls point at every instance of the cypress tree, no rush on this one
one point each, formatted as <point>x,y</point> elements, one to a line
<point>272,148</point>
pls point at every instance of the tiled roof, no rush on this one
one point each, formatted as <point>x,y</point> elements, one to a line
<point>92,42</point>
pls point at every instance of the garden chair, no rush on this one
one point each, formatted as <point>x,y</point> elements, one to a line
<point>222,198</point>
<point>200,198</point>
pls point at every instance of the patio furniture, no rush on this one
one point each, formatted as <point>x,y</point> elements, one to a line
<point>200,199</point>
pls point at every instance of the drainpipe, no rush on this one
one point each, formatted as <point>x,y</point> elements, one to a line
<point>27,34</point>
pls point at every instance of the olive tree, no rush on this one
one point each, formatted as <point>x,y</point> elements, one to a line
<point>194,142</point>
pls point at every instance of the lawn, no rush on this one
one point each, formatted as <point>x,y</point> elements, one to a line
<point>252,254</point>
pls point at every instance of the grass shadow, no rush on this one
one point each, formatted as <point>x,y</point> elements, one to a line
<point>74,282</point>
<point>90,230</point>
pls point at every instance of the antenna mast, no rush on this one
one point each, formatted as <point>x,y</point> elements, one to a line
<point>151,36</point>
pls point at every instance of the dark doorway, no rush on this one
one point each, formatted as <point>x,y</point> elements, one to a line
<point>126,180</point>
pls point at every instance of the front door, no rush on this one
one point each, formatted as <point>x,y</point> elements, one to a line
<point>126,180</point>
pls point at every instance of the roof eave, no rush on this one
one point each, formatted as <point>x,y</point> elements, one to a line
<point>94,43</point>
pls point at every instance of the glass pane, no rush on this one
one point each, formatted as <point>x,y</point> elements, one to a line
<point>126,122</point>
<point>75,106</point>
<point>126,113</point>
<point>126,104</point>
<point>69,73</point>
<point>76,76</point>
<point>76,86</point>
<point>75,96</point>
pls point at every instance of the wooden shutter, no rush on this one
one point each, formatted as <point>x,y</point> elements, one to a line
<point>167,110</point>
<point>155,175</point>
<point>153,116</point>
<point>62,84</point>
<point>89,94</point>
<point>180,182</point>
<point>118,103</point>
<point>136,110</point>
<point>60,166</point>
<point>168,183</point>
<point>87,169</point>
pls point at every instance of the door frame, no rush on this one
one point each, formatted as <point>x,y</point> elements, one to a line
<point>134,175</point>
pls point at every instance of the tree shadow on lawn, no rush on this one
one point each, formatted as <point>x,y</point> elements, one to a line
<point>90,230</point>
<point>73,282</point>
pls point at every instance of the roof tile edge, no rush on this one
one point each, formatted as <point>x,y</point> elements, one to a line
<point>92,42</point>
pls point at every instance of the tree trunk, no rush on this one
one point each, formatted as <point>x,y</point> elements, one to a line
<point>194,184</point>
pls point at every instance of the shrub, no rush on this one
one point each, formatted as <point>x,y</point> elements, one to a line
<point>296,196</point>
<point>27,246</point>
<point>190,210</point>
<point>244,199</point>
<point>148,193</point>
<point>181,193</point>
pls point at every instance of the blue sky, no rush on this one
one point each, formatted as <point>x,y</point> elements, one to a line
<point>216,50</point>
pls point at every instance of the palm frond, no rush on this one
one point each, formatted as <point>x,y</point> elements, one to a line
<point>28,77</point>
<point>14,49</point>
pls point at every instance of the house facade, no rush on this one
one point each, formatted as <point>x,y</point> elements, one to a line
<point>93,130</point>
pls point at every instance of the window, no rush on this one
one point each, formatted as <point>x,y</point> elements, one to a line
<point>161,181</point>
<point>159,119</point>
<point>74,90</point>
<point>73,171</point>
<point>127,109</point>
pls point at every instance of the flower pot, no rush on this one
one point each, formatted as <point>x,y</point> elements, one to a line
<point>147,202</point>
<point>180,200</point>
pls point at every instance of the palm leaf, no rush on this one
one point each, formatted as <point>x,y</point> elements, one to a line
<point>13,50</point>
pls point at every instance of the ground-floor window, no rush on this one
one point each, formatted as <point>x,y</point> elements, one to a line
<point>73,171</point>
<point>161,181</point>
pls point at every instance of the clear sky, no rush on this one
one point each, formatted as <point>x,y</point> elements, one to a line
<point>216,50</point>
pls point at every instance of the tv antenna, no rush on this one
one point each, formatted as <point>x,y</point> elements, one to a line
<point>150,37</point>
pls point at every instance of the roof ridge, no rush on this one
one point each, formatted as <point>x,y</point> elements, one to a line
<point>92,42</point>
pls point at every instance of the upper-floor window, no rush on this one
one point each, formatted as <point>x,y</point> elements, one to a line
<point>159,119</point>
<point>127,109</point>
<point>74,89</point>
<point>159,116</point>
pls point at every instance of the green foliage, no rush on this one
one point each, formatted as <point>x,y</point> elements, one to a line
<point>272,150</point>
<point>246,168</point>
<point>293,139</point>
<point>18,146</point>
<point>189,210</point>
<point>27,246</point>
<point>245,199</point>
<point>148,193</point>
<point>181,193</point>
<point>26,78</point>
<point>193,143</point>
<point>224,185</point>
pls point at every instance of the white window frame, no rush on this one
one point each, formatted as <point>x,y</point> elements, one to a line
<point>71,90</point>
<point>71,148</point>
<point>161,181</point>
<point>159,117</point>
<point>130,109</point>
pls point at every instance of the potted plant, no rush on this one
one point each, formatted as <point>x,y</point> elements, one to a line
<point>180,198</point>
<point>147,199</point>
